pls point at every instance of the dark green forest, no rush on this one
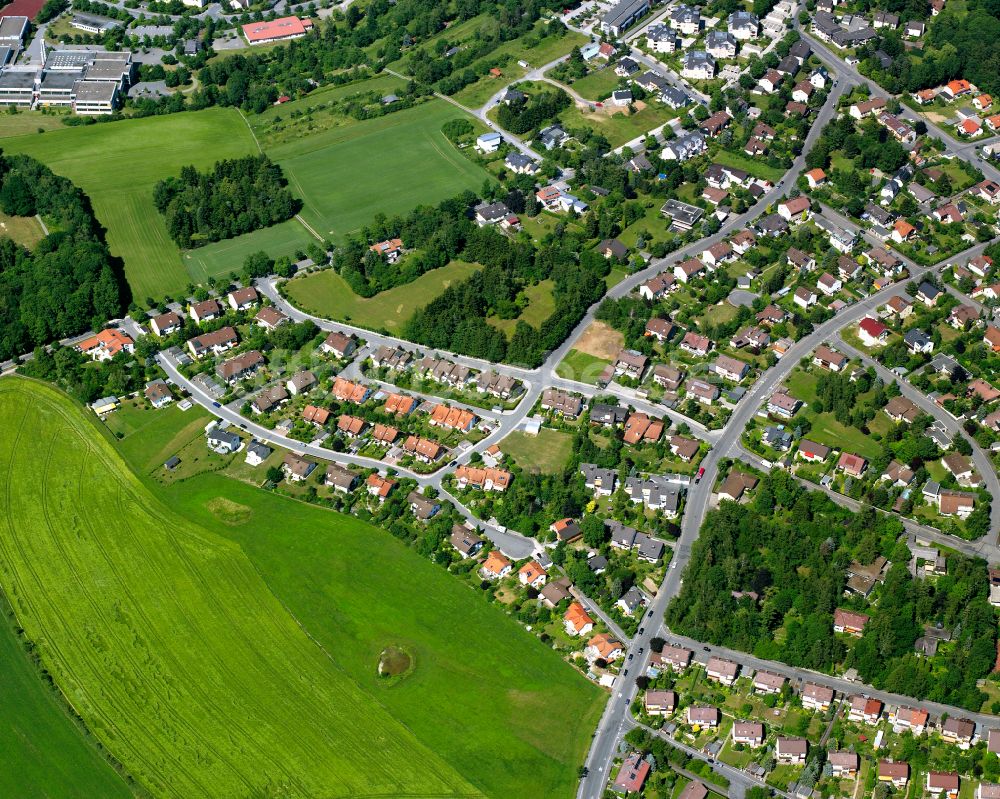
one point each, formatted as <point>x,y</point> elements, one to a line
<point>67,284</point>
<point>237,196</point>
<point>801,583</point>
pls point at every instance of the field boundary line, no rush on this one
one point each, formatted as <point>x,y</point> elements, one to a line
<point>307,226</point>
<point>252,134</point>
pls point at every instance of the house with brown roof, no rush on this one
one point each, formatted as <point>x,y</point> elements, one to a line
<point>955,503</point>
<point>958,466</point>
<point>205,311</point>
<point>315,414</point>
<point>829,359</point>
<point>767,682</point>
<point>216,342</point>
<point>270,318</point>
<point>942,784</point>
<point>866,709</point>
<point>816,697</point>
<point>659,703</point>
<point>844,764</point>
<point>901,409</point>
<point>301,382</point>
<point>165,324</point>
<point>341,479</point>
<point>158,394</point>
<point>464,541</point>
<point>660,329</point>
<point>748,733</point>
<point>296,468</point>
<point>487,479</point>
<point>812,451</point>
<point>348,391</point>
<point>339,344</point>
<point>736,484</point>
<point>847,621</point>
<point>240,367</point>
<point>243,299</point>
<point>697,344</point>
<point>703,716</point>
<point>722,671</point>
<point>896,774</point>
<point>791,750</point>
<point>958,731</point>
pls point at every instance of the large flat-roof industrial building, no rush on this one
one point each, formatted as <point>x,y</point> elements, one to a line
<point>622,16</point>
<point>88,81</point>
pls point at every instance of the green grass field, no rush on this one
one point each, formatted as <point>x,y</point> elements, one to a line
<point>619,128</point>
<point>489,699</point>
<point>171,647</point>
<point>548,452</point>
<point>581,366</point>
<point>117,164</point>
<point>327,294</point>
<point>43,754</point>
<point>597,85</point>
<point>222,257</point>
<point>754,166</point>
<point>390,165</point>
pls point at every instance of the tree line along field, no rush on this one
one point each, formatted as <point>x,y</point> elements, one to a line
<point>168,643</point>
<point>344,176</point>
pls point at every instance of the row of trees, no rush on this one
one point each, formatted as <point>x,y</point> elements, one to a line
<point>237,196</point>
<point>68,283</point>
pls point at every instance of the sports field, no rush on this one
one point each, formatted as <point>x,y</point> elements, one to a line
<point>327,294</point>
<point>169,644</point>
<point>117,164</point>
<point>392,164</point>
<point>488,698</point>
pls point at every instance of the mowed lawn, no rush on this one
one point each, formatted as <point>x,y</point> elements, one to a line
<point>168,642</point>
<point>486,696</point>
<point>117,164</point>
<point>392,164</point>
<point>220,258</point>
<point>43,753</point>
<point>327,294</point>
<point>548,452</point>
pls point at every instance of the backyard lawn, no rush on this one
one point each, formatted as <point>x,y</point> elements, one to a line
<point>755,166</point>
<point>327,294</point>
<point>597,85</point>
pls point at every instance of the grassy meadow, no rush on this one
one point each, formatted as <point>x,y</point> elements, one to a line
<point>167,641</point>
<point>345,175</point>
<point>327,294</point>
<point>117,164</point>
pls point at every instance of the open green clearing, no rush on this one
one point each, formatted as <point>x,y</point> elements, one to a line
<point>220,258</point>
<point>597,85</point>
<point>326,294</point>
<point>25,230</point>
<point>43,755</point>
<point>620,127</point>
<point>495,703</point>
<point>386,84</point>
<point>540,306</point>
<point>548,452</point>
<point>169,644</point>
<point>24,122</point>
<point>391,164</point>
<point>581,366</point>
<point>117,164</point>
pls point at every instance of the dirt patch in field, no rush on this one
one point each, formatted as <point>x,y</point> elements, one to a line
<point>601,341</point>
<point>935,116</point>
<point>229,512</point>
<point>394,662</point>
